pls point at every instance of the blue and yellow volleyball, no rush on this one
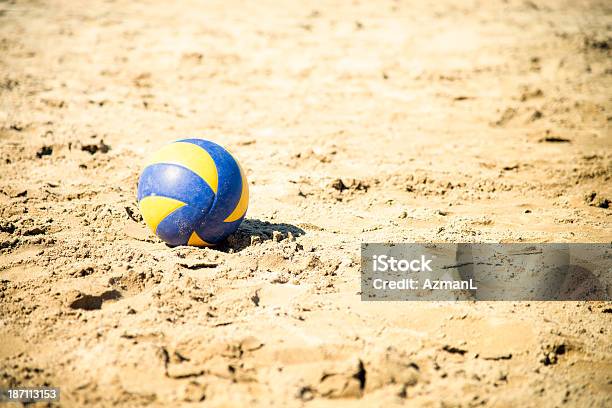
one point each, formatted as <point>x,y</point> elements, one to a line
<point>193,192</point>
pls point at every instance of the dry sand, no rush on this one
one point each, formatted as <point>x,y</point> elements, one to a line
<point>357,121</point>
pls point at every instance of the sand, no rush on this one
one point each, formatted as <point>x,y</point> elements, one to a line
<point>362,121</point>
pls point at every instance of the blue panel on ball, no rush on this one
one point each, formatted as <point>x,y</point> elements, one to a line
<point>177,182</point>
<point>177,227</point>
<point>230,180</point>
<point>215,232</point>
<point>213,229</point>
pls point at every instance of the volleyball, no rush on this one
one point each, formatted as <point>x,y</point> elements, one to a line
<point>193,192</point>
